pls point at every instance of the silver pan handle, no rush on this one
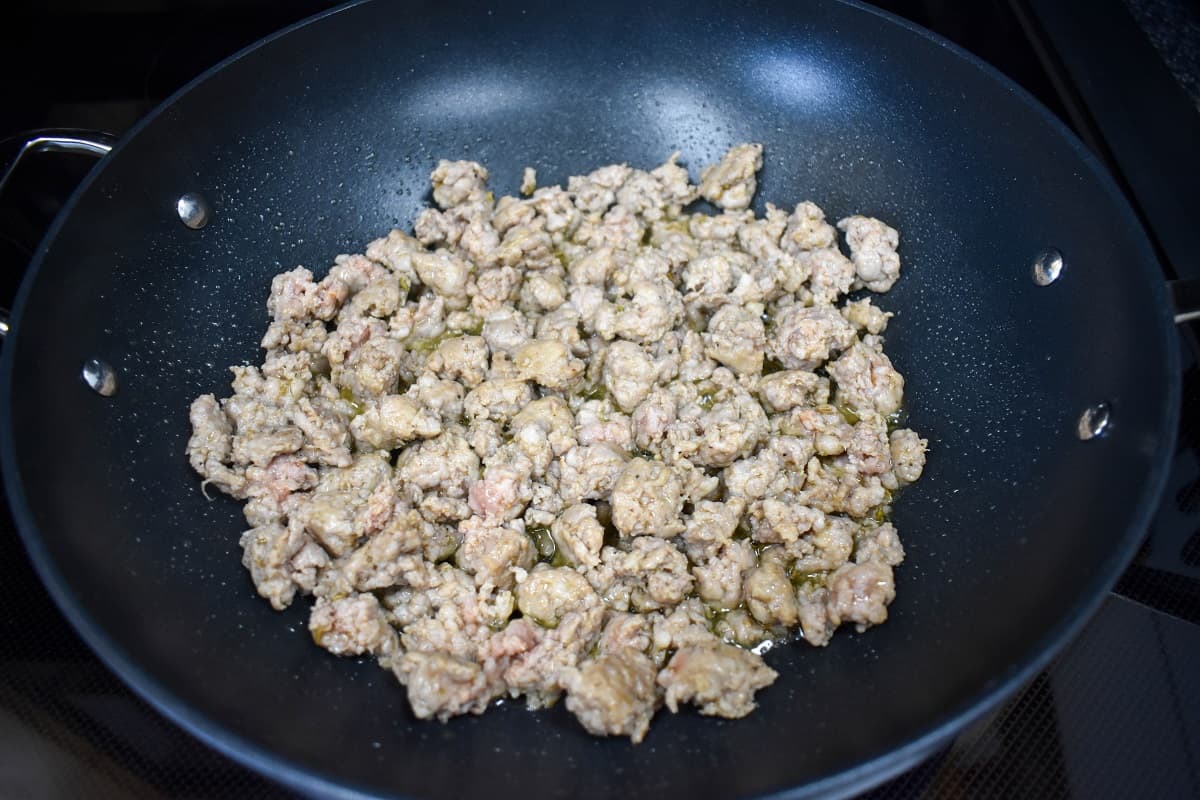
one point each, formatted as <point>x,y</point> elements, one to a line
<point>1185,297</point>
<point>92,143</point>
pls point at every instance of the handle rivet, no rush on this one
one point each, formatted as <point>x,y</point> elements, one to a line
<point>193,210</point>
<point>100,376</point>
<point>1047,266</point>
<point>1094,422</point>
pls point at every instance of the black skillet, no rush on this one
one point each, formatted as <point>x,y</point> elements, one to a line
<point>320,138</point>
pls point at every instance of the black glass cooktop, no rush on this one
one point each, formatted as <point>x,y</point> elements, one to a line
<point>1116,715</point>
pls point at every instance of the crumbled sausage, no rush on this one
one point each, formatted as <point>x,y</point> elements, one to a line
<point>808,230</point>
<point>277,557</point>
<point>736,338</point>
<point>392,421</point>
<point>548,363</point>
<point>651,575</point>
<point>719,678</point>
<point>443,686</point>
<point>352,626</point>
<point>731,182</point>
<point>629,374</point>
<point>908,455</point>
<point>866,316</point>
<point>613,694</point>
<point>860,593</point>
<point>873,249</point>
<point>492,553</point>
<point>647,499</point>
<point>548,593</point>
<point>866,379</point>
<point>804,338</point>
<point>582,441</point>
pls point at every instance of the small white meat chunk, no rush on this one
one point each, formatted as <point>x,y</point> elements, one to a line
<point>717,430</point>
<point>653,308</point>
<point>553,420</point>
<point>613,694</point>
<point>760,475</point>
<point>647,500</point>
<point>549,363</point>
<point>804,338</point>
<point>873,250</point>
<point>373,369</point>
<point>625,630</point>
<point>709,276</point>
<point>587,472</point>
<point>526,247</point>
<point>860,593</point>
<point>392,556</point>
<point>719,579</point>
<point>548,593</point>
<point>738,627</point>
<point>491,553</point>
<point>629,374</point>
<point>908,455</point>
<point>807,230</point>
<point>395,251</point>
<point>456,182</point>
<point>866,380</point>
<point>442,686</point>
<point>783,391</point>
<point>866,316</point>
<point>505,488</point>
<point>731,182</point>
<point>831,274</point>
<point>650,576</point>
<point>393,421</point>
<point>596,191</point>
<point>446,465</point>
<point>827,547</point>
<point>210,446</point>
<point>879,543</point>
<point>351,626</point>
<point>578,535</point>
<point>592,268</point>
<point>505,330</point>
<point>528,181</point>
<point>736,338</point>
<point>445,273</point>
<point>350,503</point>
<point>499,400</point>
<point>280,560</point>
<point>719,678</point>
<point>770,597</point>
<point>652,418</point>
<point>460,358</point>
<point>776,520</point>
<point>543,291</point>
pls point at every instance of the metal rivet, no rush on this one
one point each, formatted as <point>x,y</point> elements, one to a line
<point>193,210</point>
<point>1047,267</point>
<point>1094,421</point>
<point>100,376</point>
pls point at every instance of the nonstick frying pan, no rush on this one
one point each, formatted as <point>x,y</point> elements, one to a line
<point>322,137</point>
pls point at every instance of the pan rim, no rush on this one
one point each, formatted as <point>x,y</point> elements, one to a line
<point>870,772</point>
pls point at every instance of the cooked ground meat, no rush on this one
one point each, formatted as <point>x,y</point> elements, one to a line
<point>577,441</point>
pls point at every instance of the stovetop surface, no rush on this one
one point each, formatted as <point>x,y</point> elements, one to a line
<point>1117,714</point>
